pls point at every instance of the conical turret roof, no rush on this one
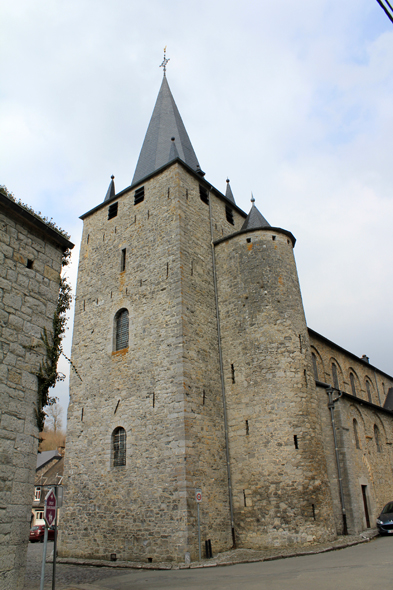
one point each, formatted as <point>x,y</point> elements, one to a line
<point>165,124</point>
<point>229,193</point>
<point>110,193</point>
<point>255,219</point>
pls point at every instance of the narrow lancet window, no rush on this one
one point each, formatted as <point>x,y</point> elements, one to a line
<point>368,391</point>
<point>121,327</point>
<point>335,376</point>
<point>314,365</point>
<point>119,447</point>
<point>353,386</point>
<point>123,260</point>
<point>356,433</point>
<point>377,438</point>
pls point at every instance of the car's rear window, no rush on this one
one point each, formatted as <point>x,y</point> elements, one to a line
<point>388,508</point>
<point>35,528</point>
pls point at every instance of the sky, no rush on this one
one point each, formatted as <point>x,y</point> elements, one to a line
<point>290,100</point>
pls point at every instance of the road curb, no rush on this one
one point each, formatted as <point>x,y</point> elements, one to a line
<point>215,562</point>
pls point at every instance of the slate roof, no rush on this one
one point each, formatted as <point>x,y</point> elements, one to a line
<point>45,457</point>
<point>229,193</point>
<point>53,475</point>
<point>110,193</point>
<point>157,149</point>
<point>255,220</point>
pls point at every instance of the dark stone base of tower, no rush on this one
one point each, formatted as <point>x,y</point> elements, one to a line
<point>198,372</point>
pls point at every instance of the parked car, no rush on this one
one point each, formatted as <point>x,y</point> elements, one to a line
<point>385,520</point>
<point>37,533</point>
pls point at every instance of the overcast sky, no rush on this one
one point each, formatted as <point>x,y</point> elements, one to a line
<point>290,100</point>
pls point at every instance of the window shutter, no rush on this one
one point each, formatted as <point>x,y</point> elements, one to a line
<point>122,330</point>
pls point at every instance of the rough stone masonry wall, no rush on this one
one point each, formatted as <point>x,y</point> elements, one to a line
<point>363,466</point>
<point>138,511</point>
<point>368,459</point>
<point>327,353</point>
<point>204,421</point>
<point>28,298</point>
<point>364,460</point>
<point>280,488</point>
<point>366,465</point>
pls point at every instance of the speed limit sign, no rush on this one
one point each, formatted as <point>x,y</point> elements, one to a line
<point>198,495</point>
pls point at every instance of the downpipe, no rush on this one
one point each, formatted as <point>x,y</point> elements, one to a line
<point>222,380</point>
<point>332,401</point>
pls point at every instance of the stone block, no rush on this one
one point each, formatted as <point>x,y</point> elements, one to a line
<point>51,274</point>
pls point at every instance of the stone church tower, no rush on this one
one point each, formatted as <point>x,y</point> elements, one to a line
<point>195,371</point>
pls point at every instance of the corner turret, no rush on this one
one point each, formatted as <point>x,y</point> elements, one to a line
<point>254,219</point>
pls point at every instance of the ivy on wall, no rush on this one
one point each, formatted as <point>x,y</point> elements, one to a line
<point>48,374</point>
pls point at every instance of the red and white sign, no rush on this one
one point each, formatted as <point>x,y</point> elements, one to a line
<point>198,495</point>
<point>50,507</point>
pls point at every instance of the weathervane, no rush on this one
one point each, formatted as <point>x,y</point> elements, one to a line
<point>164,61</point>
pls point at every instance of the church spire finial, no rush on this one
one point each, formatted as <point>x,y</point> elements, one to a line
<point>252,199</point>
<point>164,62</point>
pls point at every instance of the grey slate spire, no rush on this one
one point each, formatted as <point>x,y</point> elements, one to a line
<point>110,193</point>
<point>165,123</point>
<point>229,193</point>
<point>254,219</point>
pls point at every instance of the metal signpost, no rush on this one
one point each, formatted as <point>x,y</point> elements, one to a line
<point>50,511</point>
<point>198,498</point>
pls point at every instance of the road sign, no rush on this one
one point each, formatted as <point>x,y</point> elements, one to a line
<point>198,495</point>
<point>50,507</point>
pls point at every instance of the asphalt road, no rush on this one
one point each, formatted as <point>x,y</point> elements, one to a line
<point>363,567</point>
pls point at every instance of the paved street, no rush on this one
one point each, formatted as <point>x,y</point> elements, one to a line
<point>66,575</point>
<point>363,567</point>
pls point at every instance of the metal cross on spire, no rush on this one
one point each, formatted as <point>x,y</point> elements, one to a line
<point>164,61</point>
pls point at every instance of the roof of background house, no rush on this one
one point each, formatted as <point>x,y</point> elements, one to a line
<point>45,457</point>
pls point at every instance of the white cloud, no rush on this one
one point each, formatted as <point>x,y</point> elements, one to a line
<point>290,100</point>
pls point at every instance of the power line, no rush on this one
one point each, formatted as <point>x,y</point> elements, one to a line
<point>388,12</point>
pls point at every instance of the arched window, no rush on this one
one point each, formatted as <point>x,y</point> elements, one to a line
<point>119,447</point>
<point>377,438</point>
<point>356,433</point>
<point>353,387</point>
<point>121,329</point>
<point>368,391</point>
<point>315,366</point>
<point>335,376</point>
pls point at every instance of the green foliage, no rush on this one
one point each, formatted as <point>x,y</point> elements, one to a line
<point>47,374</point>
<point>49,222</point>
